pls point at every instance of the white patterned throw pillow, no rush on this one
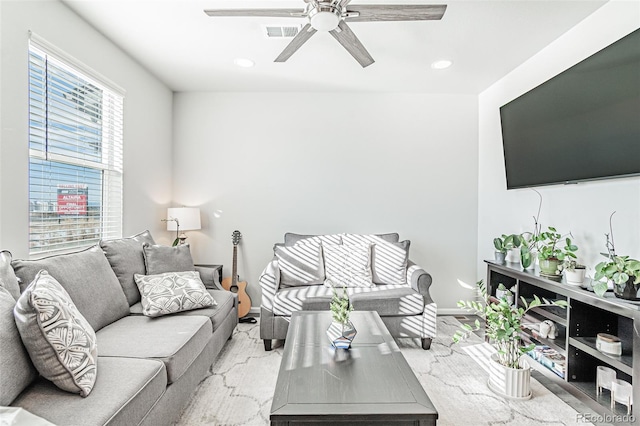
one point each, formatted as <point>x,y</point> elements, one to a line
<point>172,292</point>
<point>347,265</point>
<point>389,258</point>
<point>59,340</point>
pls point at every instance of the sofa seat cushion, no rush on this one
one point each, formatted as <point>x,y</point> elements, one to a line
<point>289,300</point>
<point>399,301</point>
<point>87,277</point>
<point>217,314</point>
<point>174,340</point>
<point>125,390</point>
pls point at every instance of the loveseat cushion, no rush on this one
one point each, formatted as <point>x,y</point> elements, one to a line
<point>87,277</point>
<point>125,390</point>
<point>389,258</point>
<point>399,301</point>
<point>160,259</point>
<point>60,341</point>
<point>176,340</point>
<point>126,259</point>
<point>290,238</point>
<point>8,279</point>
<point>288,300</point>
<point>217,313</point>
<point>16,369</point>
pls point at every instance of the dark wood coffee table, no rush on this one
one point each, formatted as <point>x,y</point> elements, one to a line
<point>369,384</point>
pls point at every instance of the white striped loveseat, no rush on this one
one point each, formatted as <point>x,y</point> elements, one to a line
<point>374,269</point>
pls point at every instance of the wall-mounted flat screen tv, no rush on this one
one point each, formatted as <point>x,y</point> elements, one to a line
<point>583,124</point>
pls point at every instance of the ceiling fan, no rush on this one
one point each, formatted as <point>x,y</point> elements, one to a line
<point>333,15</point>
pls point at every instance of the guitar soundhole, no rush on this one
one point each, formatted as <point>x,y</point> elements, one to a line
<point>233,289</point>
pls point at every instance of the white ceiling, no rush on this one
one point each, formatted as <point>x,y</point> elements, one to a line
<point>190,51</point>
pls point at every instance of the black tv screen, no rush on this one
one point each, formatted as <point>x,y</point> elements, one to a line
<point>583,124</point>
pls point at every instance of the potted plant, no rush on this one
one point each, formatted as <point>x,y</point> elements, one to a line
<point>341,332</point>
<point>574,272</point>
<point>622,271</point>
<point>550,252</point>
<point>505,243</point>
<point>503,292</point>
<point>508,375</point>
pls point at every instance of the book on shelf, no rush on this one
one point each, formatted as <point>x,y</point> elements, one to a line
<point>550,358</point>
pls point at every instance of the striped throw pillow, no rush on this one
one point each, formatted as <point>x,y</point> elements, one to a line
<point>300,264</point>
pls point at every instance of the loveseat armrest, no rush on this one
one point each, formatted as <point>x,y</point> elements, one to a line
<point>210,276</point>
<point>269,283</point>
<point>419,280</point>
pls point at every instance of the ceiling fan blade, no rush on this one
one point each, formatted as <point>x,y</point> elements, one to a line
<point>349,41</point>
<point>393,12</point>
<point>305,34</point>
<point>271,13</point>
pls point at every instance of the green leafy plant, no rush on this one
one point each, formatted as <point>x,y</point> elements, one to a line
<point>549,246</point>
<point>618,269</point>
<point>503,324</point>
<point>529,240</point>
<point>505,243</point>
<point>340,306</point>
<point>572,265</point>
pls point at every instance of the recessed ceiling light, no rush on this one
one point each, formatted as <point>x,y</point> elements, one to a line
<point>243,62</point>
<point>441,64</point>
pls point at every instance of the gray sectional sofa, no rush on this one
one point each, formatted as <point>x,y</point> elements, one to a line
<point>296,279</point>
<point>147,368</point>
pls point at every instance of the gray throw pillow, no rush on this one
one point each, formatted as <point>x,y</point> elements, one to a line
<point>87,277</point>
<point>300,264</point>
<point>60,341</point>
<point>389,262</point>
<point>126,259</point>
<point>172,292</point>
<point>8,279</point>
<point>161,259</point>
<point>16,369</point>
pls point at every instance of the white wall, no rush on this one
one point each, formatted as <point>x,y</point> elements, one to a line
<point>582,209</point>
<point>147,121</point>
<point>324,163</point>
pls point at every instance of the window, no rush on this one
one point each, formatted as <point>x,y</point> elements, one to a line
<point>75,152</point>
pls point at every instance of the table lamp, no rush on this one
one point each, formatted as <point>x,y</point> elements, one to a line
<point>182,219</point>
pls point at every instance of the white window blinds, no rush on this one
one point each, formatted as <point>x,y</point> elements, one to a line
<point>75,152</point>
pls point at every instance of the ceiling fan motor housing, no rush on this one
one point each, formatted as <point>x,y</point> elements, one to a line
<point>324,17</point>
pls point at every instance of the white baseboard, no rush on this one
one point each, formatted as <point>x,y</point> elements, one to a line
<point>255,311</point>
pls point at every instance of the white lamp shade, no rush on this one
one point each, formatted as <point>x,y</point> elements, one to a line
<point>188,218</point>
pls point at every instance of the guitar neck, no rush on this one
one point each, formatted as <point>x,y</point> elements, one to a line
<point>234,269</point>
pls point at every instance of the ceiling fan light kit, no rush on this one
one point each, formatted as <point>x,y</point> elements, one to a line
<point>332,16</point>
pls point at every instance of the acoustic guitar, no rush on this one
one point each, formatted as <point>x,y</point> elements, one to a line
<point>233,285</point>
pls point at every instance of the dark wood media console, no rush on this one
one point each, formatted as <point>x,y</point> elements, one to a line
<point>577,328</point>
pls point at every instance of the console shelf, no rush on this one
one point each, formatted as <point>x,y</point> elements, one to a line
<point>578,326</point>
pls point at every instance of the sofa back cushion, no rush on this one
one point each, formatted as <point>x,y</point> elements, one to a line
<point>290,238</point>
<point>8,279</point>
<point>300,264</point>
<point>161,259</point>
<point>87,277</point>
<point>16,369</point>
<point>126,259</point>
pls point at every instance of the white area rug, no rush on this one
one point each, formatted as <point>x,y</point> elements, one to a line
<point>240,388</point>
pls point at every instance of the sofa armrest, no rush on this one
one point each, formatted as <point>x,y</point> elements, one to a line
<point>269,283</point>
<point>210,276</point>
<point>419,280</point>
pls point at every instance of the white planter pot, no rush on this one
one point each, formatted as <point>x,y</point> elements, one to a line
<point>575,277</point>
<point>513,255</point>
<point>513,383</point>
